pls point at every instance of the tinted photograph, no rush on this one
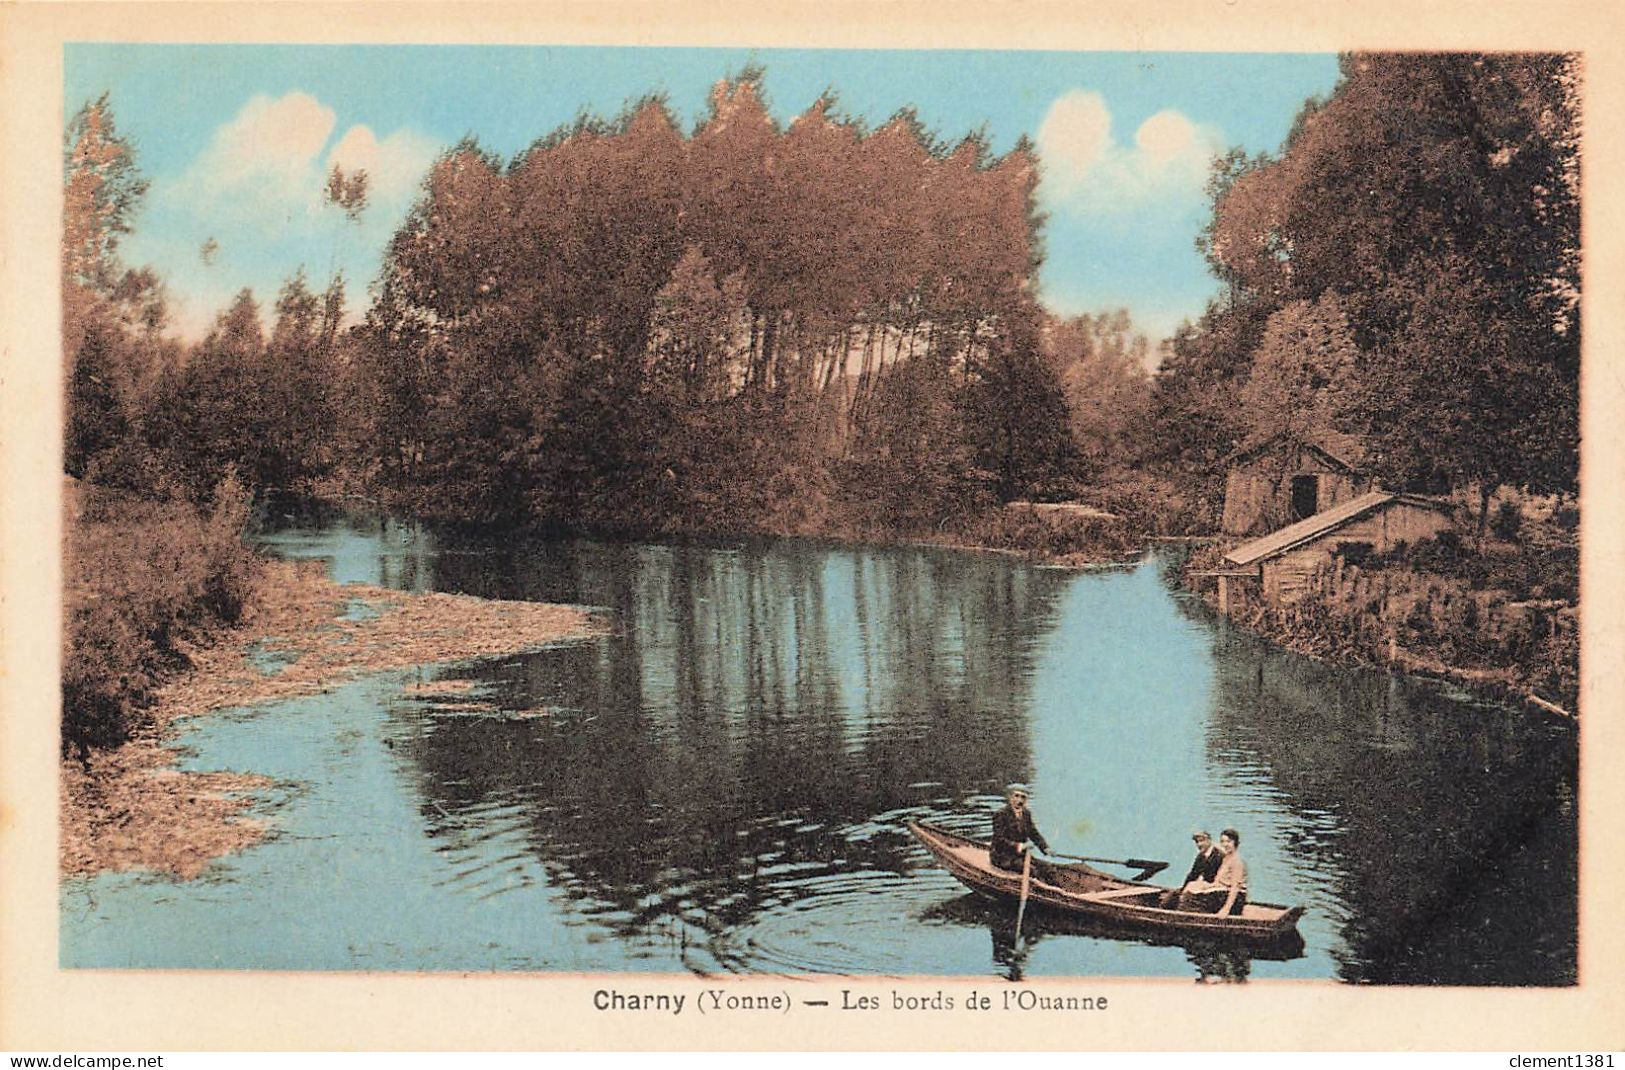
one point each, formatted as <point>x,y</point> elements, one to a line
<point>852,513</point>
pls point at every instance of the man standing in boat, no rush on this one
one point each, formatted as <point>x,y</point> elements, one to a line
<point>1014,830</point>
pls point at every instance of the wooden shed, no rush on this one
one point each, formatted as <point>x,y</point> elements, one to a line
<point>1281,481</point>
<point>1279,565</point>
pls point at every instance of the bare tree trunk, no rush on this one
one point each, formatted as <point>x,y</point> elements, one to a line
<point>833,352</point>
<point>770,340</point>
<point>867,374</point>
<point>969,360</point>
<point>1486,491</point>
<point>750,354</point>
<point>862,388</point>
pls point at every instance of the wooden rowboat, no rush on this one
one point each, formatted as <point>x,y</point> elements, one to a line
<point>1081,890</point>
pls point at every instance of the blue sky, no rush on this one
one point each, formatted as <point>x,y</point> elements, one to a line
<point>236,140</point>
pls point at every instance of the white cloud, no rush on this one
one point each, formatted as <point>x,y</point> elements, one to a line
<point>268,159</point>
<point>395,165</point>
<point>265,152</point>
<point>258,190</point>
<point>1086,170</point>
<point>1166,138</point>
<point>1075,134</point>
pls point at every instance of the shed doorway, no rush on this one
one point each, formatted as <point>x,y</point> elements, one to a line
<point>1305,496</point>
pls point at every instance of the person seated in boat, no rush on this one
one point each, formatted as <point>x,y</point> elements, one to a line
<point>1226,893</point>
<point>1014,831</point>
<point>1204,869</point>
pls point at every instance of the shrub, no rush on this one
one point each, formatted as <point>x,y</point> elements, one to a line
<point>230,568</point>
<point>1155,505</point>
<point>1032,533</point>
<point>143,580</point>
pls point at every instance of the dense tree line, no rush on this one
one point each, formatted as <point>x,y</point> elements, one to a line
<point>745,327</point>
<point>160,419</point>
<point>1405,269</point>
<point>820,328</point>
<point>825,327</point>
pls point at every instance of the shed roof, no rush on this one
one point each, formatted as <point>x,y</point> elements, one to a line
<point>1313,527</point>
<point>1341,452</point>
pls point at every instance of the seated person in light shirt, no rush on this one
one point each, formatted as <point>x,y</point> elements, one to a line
<point>1226,893</point>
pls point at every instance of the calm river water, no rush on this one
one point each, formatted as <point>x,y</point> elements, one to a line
<point>722,784</point>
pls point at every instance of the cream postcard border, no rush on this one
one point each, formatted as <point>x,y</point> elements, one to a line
<point>43,1008</point>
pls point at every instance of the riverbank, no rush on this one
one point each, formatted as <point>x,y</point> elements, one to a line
<point>1490,635</point>
<point>128,807</point>
<point>796,679</point>
<point>1110,523</point>
<point>1299,632</point>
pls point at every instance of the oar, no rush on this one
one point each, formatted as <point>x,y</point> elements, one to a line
<point>1147,866</point>
<point>1026,885</point>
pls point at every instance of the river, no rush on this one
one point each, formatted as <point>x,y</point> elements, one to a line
<point>721,785</point>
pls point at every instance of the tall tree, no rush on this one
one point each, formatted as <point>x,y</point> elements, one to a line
<point>102,189</point>
<point>112,316</point>
<point>298,377</point>
<point>1102,360</point>
<point>216,416</point>
<point>913,468</point>
<point>1302,375</point>
<point>1196,391</point>
<point>1016,416</point>
<point>1437,195</point>
<point>624,326</point>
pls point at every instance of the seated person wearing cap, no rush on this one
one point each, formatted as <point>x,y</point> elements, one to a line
<point>1226,893</point>
<point>1204,870</point>
<point>1013,828</point>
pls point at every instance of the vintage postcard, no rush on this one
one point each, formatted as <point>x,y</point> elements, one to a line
<point>960,526</point>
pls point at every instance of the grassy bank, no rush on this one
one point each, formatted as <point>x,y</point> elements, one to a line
<point>1109,522</point>
<point>127,807</point>
<point>1500,618</point>
<point>147,584</point>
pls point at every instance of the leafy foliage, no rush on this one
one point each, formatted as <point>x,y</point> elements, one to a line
<point>1301,374</point>
<point>146,579</point>
<point>1102,362</point>
<point>1436,196</point>
<point>625,327</point>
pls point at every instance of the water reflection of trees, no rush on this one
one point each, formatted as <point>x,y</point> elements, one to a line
<point>727,748</point>
<point>1453,825</point>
